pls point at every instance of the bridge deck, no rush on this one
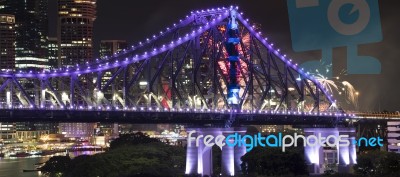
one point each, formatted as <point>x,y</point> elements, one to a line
<point>154,117</point>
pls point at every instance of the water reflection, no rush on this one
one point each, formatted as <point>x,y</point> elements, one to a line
<point>14,166</point>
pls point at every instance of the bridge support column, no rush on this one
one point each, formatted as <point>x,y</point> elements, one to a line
<point>204,163</point>
<point>345,156</point>
<point>313,154</point>
<point>228,159</point>
<point>239,152</point>
<point>72,91</point>
<point>199,159</point>
<point>42,94</point>
<point>9,98</point>
<point>191,155</point>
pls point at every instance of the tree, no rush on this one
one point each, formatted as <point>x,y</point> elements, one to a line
<point>273,162</point>
<point>132,139</point>
<point>56,165</point>
<point>378,163</point>
<point>131,155</point>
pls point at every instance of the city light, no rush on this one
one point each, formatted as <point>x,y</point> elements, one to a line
<point>212,69</point>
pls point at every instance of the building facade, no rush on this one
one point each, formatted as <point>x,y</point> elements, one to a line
<point>27,131</point>
<point>393,136</point>
<point>75,31</point>
<point>109,47</point>
<point>7,132</point>
<point>7,41</point>
<point>31,25</point>
<point>52,52</point>
<point>77,130</point>
<point>75,41</point>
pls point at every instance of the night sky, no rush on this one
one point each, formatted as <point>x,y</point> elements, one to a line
<point>127,20</point>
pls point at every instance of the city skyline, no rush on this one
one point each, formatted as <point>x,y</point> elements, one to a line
<point>372,99</point>
<point>31,26</point>
<point>199,87</point>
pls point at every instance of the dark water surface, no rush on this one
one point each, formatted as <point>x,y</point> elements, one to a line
<point>12,167</point>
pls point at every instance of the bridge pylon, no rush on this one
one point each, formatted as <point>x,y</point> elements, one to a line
<point>199,157</point>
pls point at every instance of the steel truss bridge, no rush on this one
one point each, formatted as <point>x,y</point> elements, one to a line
<point>181,74</point>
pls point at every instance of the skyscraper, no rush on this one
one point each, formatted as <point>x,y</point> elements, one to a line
<point>7,41</point>
<point>52,55</point>
<point>75,31</point>
<point>75,35</point>
<point>109,47</point>
<point>31,25</point>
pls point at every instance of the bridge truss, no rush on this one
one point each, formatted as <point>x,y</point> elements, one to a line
<point>185,66</point>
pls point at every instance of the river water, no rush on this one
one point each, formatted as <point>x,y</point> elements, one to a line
<point>12,167</point>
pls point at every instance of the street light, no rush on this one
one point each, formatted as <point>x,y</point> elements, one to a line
<point>143,84</point>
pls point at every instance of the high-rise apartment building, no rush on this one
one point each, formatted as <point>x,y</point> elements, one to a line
<point>75,35</point>
<point>7,41</point>
<point>52,55</point>
<point>75,31</point>
<point>109,47</point>
<point>31,25</point>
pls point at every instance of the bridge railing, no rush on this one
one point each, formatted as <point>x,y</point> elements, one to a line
<point>182,110</point>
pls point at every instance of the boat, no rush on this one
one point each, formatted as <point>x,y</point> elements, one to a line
<point>33,152</point>
<point>46,152</point>
<point>20,154</point>
<point>25,170</point>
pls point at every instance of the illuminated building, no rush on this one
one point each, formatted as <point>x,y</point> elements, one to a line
<point>107,129</point>
<point>7,131</point>
<point>34,130</point>
<point>105,133</point>
<point>52,55</point>
<point>75,35</point>
<point>7,41</point>
<point>77,130</point>
<point>109,47</point>
<point>393,137</point>
<point>31,25</point>
<point>75,31</point>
